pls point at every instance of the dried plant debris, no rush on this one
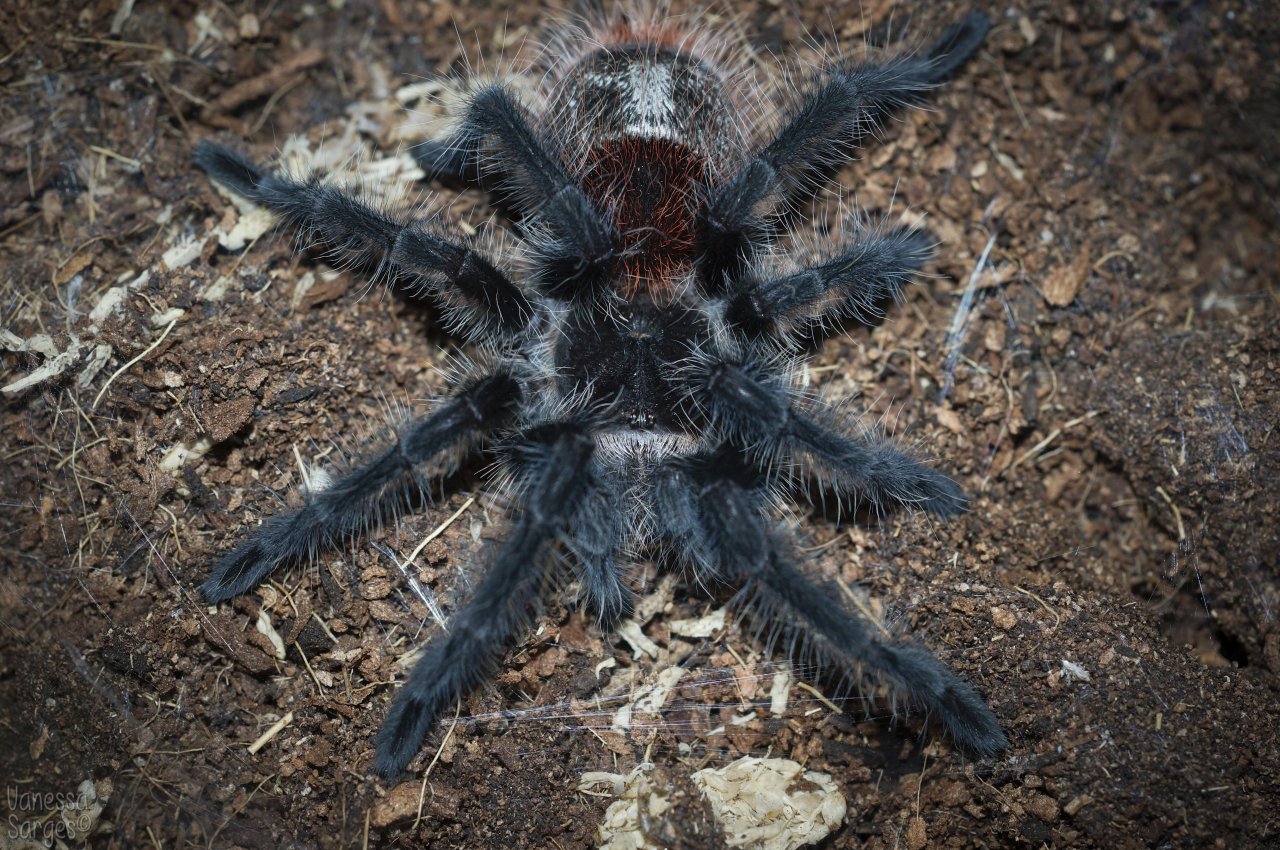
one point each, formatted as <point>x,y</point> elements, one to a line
<point>654,808</point>
<point>757,804</point>
<point>772,803</point>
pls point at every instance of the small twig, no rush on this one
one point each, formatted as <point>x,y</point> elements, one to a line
<point>924,765</point>
<point>213,839</point>
<point>1177,514</point>
<point>307,664</point>
<point>265,737</point>
<point>303,471</point>
<point>19,225</point>
<point>438,530</point>
<point>69,458</point>
<point>273,100</point>
<point>736,656</point>
<point>427,773</point>
<point>823,546</point>
<point>1110,255</point>
<point>168,98</point>
<point>821,697</point>
<point>129,161</point>
<point>862,607</point>
<point>959,319</point>
<point>1144,310</point>
<point>1057,432</point>
<point>266,83</point>
<point>1057,618</point>
<point>138,45</point>
<point>122,369</point>
<point>1013,98</point>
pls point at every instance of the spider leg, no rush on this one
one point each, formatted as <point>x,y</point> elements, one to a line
<point>850,103</point>
<point>354,498</point>
<point>721,517</point>
<point>350,226</point>
<point>753,410</point>
<point>557,472</point>
<point>594,538</point>
<point>496,135</point>
<point>447,159</point>
<point>856,284</point>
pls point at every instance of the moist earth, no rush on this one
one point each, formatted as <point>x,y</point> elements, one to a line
<point>1093,355</point>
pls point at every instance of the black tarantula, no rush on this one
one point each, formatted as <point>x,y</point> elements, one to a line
<point>638,371</point>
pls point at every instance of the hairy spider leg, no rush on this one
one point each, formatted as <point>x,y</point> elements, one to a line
<point>594,539</point>
<point>856,284</point>
<point>841,111</point>
<point>558,476</point>
<point>353,499</point>
<point>754,411</point>
<point>721,517</point>
<point>349,226</point>
<point>495,133</point>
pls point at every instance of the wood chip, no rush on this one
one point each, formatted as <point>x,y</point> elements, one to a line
<point>1064,282</point>
<point>264,84</point>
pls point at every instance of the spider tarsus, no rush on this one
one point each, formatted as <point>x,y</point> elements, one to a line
<point>353,499</point>
<point>238,173</point>
<point>447,159</point>
<point>752,409</point>
<point>948,698</point>
<point>938,494</point>
<point>594,540</point>
<point>717,514</point>
<point>956,45</point>
<point>236,572</point>
<point>970,722</point>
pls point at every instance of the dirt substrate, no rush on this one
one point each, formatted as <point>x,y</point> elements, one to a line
<point>1110,402</point>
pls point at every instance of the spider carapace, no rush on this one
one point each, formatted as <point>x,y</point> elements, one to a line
<point>636,357</point>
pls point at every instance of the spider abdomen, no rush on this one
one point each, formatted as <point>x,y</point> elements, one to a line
<point>646,122</point>
<point>649,185</point>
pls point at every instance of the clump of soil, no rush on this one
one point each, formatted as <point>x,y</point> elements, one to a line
<point>1108,394</point>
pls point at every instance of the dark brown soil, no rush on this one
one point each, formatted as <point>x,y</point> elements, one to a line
<point>1111,405</point>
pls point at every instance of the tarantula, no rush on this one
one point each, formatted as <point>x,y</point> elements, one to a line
<point>637,380</point>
